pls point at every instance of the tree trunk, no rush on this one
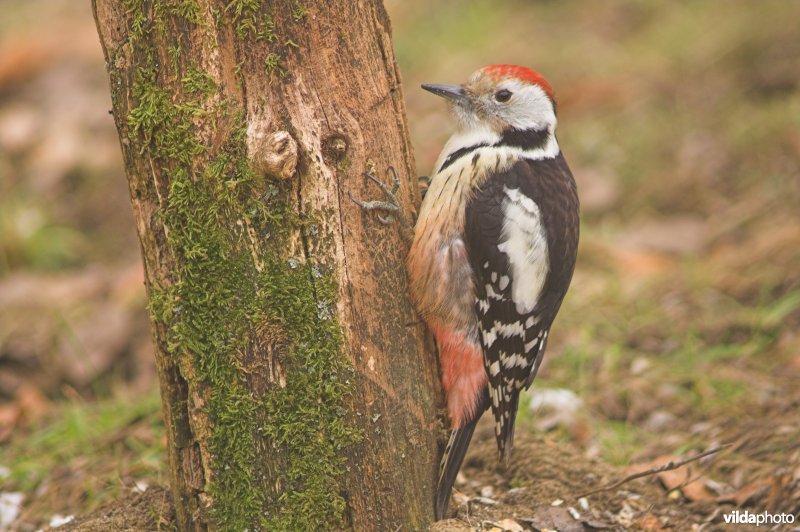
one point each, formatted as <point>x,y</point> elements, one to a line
<point>299,388</point>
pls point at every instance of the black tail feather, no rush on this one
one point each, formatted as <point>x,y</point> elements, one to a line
<point>453,457</point>
<point>451,463</point>
<point>505,438</point>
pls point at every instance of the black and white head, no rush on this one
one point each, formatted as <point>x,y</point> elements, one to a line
<point>500,99</point>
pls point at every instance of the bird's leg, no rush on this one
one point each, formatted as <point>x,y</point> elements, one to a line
<point>391,205</point>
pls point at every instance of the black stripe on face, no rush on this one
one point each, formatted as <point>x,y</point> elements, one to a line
<point>456,155</point>
<point>527,139</point>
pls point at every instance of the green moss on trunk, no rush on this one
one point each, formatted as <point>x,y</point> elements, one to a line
<point>220,297</point>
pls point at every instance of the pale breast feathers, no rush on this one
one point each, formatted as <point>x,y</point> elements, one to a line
<point>439,269</point>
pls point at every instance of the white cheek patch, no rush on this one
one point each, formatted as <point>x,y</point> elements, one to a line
<point>530,107</point>
<point>525,243</point>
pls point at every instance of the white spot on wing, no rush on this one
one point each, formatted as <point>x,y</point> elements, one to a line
<point>491,293</point>
<point>504,280</point>
<point>488,337</point>
<point>495,400</point>
<point>525,244</point>
<point>531,321</point>
<point>509,362</point>
<point>515,360</point>
<point>494,369</point>
<point>507,330</point>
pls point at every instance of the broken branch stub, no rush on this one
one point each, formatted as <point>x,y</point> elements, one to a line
<point>273,155</point>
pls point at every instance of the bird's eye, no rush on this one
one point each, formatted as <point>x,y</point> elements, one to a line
<point>502,95</point>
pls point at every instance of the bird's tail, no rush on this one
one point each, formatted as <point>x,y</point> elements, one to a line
<point>453,456</point>
<point>504,421</point>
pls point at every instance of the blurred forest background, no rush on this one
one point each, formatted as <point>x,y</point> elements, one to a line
<point>681,121</point>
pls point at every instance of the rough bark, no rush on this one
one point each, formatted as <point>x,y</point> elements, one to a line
<point>298,386</point>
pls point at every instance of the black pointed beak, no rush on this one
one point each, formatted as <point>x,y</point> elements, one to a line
<point>454,93</point>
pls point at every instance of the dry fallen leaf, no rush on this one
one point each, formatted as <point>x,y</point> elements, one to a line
<point>510,525</point>
<point>685,479</point>
<point>32,403</point>
<point>9,414</point>
<point>648,522</point>
<point>780,490</point>
<point>560,518</point>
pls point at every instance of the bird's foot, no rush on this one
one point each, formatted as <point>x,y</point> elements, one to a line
<point>390,206</point>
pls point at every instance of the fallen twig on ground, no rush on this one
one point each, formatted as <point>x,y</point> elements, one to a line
<point>669,466</point>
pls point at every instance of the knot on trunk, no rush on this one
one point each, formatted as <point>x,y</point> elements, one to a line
<point>273,155</point>
<point>334,148</point>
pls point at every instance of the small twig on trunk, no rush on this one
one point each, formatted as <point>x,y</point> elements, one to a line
<point>669,466</point>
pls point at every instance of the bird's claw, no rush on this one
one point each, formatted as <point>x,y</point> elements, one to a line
<point>391,194</point>
<point>378,206</point>
<point>390,205</point>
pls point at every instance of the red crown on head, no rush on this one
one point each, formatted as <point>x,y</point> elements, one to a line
<point>521,73</point>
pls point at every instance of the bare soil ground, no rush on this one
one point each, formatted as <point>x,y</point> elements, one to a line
<point>151,510</point>
<point>542,489</point>
<point>551,484</point>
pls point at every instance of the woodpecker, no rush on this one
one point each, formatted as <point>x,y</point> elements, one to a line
<point>494,250</point>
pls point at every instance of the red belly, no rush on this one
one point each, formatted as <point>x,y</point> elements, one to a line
<point>463,374</point>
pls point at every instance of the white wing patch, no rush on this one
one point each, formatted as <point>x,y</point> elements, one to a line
<point>525,243</point>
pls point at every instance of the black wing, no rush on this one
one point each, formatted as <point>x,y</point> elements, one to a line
<point>537,202</point>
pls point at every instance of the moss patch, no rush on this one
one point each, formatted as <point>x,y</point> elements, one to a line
<point>299,11</point>
<point>225,289</point>
<point>251,21</point>
<point>272,64</point>
<point>197,82</point>
<point>312,429</point>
